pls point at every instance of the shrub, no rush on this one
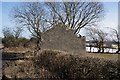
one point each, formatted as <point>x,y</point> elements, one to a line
<point>74,67</point>
<point>13,42</point>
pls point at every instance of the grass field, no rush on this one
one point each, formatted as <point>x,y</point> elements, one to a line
<point>94,55</point>
<point>105,56</point>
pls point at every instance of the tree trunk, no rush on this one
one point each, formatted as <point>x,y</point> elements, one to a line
<point>118,47</point>
<point>90,48</point>
<point>102,47</point>
<point>38,47</point>
<point>99,50</point>
<point>118,50</point>
<point>102,50</point>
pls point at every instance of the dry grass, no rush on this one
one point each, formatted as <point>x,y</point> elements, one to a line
<point>57,65</point>
<point>20,69</point>
<point>17,49</point>
<point>26,69</point>
<point>105,56</point>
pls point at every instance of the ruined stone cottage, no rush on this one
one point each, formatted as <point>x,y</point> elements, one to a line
<point>61,38</point>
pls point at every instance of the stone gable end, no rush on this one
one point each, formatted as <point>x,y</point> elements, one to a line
<point>61,38</point>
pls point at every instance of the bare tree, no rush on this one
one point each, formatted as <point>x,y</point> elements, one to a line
<point>98,36</point>
<point>75,15</point>
<point>116,38</point>
<point>31,15</point>
<point>7,32</point>
<point>8,39</point>
<point>17,32</point>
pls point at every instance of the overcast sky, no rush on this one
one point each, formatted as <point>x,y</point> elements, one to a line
<point>110,19</point>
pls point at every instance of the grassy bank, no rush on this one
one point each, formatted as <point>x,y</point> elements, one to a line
<point>104,55</point>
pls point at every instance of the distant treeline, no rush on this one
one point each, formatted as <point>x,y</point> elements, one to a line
<point>19,42</point>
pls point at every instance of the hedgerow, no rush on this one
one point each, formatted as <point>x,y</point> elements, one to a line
<point>75,67</point>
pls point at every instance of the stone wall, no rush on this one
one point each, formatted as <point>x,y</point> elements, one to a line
<point>63,39</point>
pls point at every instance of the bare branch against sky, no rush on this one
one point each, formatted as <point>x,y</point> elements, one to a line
<point>110,19</point>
